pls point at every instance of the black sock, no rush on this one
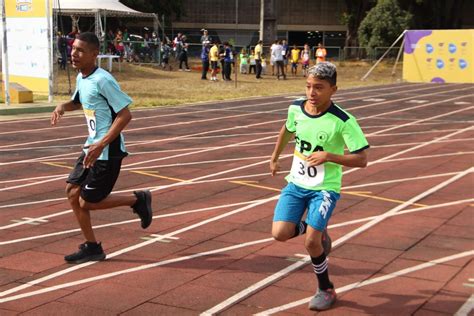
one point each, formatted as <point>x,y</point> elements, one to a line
<point>300,228</point>
<point>320,266</point>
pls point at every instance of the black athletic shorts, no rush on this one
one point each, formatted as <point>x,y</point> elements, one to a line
<point>98,181</point>
<point>213,64</point>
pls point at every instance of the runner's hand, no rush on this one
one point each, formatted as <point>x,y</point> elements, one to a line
<point>317,158</point>
<point>57,114</point>
<point>93,153</point>
<point>274,167</point>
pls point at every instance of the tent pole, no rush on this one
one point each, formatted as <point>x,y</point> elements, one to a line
<point>398,57</point>
<point>6,75</point>
<point>50,51</point>
<point>380,59</point>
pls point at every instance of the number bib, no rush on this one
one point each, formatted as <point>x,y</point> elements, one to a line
<point>305,175</point>
<point>91,122</point>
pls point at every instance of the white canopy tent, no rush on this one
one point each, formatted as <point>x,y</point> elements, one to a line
<point>100,10</point>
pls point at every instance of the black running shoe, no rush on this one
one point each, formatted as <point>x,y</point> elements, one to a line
<point>327,242</point>
<point>142,207</point>
<point>87,252</point>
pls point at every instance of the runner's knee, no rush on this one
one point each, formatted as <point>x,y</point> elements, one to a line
<point>73,191</point>
<point>313,242</point>
<point>282,233</point>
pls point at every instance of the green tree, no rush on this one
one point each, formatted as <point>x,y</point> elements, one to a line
<point>436,14</point>
<point>383,24</point>
<point>355,12</point>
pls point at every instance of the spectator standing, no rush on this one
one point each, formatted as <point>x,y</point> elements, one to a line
<point>165,55</point>
<point>252,64</point>
<point>305,56</point>
<point>228,58</point>
<point>244,66</point>
<point>205,61</point>
<point>277,54</point>
<point>177,45</point>
<point>205,38</point>
<point>295,57</point>
<point>321,54</point>
<point>183,55</point>
<point>221,60</point>
<point>272,57</point>
<point>258,59</point>
<point>155,46</point>
<point>62,48</point>
<point>286,54</point>
<point>119,46</point>
<point>214,58</point>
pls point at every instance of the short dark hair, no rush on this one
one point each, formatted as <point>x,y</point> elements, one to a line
<point>324,71</point>
<point>90,38</point>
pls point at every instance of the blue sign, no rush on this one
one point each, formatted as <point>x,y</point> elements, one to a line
<point>440,63</point>
<point>429,48</point>
<point>462,63</point>
<point>452,48</point>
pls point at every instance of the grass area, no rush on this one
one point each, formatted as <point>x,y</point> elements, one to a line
<point>150,86</point>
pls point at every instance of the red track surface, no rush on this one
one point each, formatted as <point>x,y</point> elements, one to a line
<point>211,248</point>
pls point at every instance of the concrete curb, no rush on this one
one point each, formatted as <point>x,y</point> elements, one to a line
<point>25,109</point>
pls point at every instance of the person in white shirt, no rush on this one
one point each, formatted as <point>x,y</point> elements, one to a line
<point>277,56</point>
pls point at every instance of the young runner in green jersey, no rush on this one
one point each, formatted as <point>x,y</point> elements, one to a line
<point>322,130</point>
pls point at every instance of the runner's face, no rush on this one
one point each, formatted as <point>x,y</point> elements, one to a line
<point>83,55</point>
<point>319,92</point>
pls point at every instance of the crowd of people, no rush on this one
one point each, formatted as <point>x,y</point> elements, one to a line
<point>215,56</point>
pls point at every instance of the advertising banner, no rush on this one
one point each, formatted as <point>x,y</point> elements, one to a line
<point>28,44</point>
<point>439,56</point>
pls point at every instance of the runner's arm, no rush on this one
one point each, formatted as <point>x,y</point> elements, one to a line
<point>120,122</point>
<point>61,108</point>
<point>355,160</point>
<point>283,138</point>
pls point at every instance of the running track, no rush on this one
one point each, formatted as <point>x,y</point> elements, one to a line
<point>402,231</point>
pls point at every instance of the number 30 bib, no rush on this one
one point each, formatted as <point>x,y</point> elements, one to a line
<point>91,122</point>
<point>305,175</point>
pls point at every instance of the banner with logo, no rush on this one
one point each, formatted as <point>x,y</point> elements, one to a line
<point>439,56</point>
<point>27,36</point>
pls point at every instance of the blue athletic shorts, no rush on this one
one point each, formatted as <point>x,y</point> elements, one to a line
<point>294,201</point>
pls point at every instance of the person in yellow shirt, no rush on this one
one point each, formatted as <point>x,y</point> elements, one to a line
<point>295,57</point>
<point>321,54</point>
<point>214,58</point>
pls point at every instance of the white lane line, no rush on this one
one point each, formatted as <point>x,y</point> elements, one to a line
<point>408,211</point>
<point>31,184</point>
<point>33,178</point>
<point>368,135</point>
<point>218,118</point>
<point>131,130</point>
<point>282,273</point>
<point>200,148</point>
<point>332,226</point>
<point>353,108</point>
<point>134,247</point>
<point>136,220</point>
<point>467,307</point>
<point>416,133</point>
<point>425,119</point>
<point>135,269</point>
<point>196,105</point>
<point>460,153</point>
<point>399,153</point>
<point>200,182</point>
<point>379,279</point>
<point>363,185</point>
<point>239,168</point>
